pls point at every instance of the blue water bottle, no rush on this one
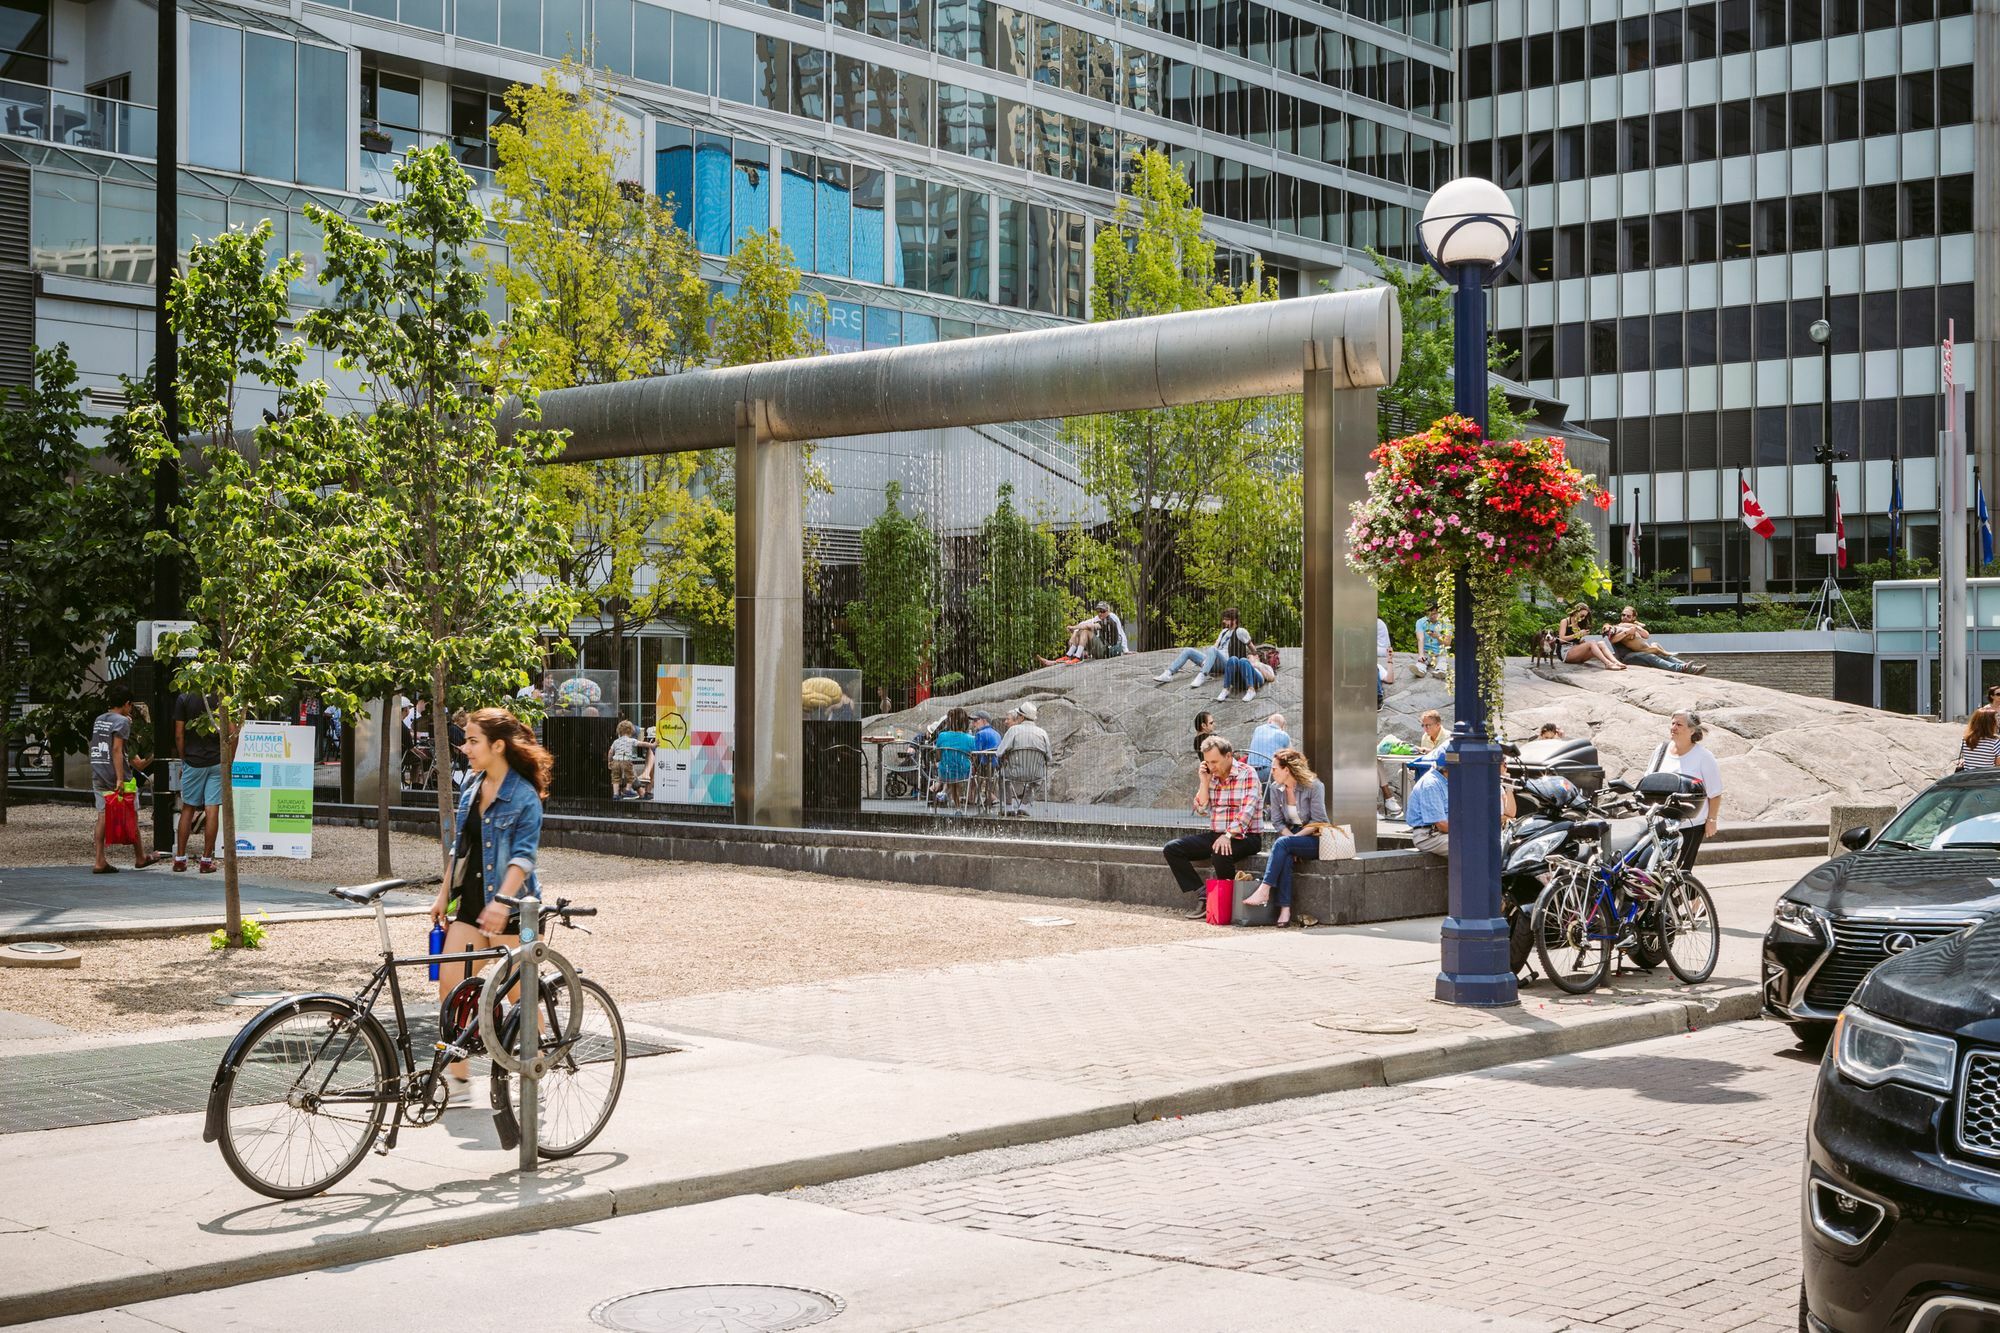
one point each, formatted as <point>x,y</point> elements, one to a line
<point>437,947</point>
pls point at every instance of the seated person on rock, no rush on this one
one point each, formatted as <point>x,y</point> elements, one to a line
<point>1578,646</point>
<point>1102,635</point>
<point>1212,659</point>
<point>1634,645</point>
<point>1235,817</point>
<point>1295,805</point>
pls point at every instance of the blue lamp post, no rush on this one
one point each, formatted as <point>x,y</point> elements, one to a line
<point>1469,233</point>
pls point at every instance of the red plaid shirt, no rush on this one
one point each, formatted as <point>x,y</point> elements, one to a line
<point>1234,805</point>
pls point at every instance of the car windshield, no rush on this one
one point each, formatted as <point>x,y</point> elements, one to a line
<point>1945,817</point>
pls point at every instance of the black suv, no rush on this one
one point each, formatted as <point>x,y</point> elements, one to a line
<point>1931,872</point>
<point>1902,1181</point>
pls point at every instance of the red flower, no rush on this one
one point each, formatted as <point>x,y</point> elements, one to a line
<point>1602,500</point>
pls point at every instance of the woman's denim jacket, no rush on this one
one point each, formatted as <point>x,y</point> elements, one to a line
<point>510,832</point>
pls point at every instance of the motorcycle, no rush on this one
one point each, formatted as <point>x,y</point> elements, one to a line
<point>1548,809</point>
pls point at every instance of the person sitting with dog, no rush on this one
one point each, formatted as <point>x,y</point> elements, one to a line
<point>1576,644</point>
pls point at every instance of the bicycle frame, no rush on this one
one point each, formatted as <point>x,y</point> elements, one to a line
<point>1606,877</point>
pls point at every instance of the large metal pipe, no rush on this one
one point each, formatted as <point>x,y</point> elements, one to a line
<point>1246,351</point>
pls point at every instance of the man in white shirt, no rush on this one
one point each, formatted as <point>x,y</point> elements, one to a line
<point>1385,660</point>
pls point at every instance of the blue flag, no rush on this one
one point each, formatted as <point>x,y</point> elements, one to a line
<point>1896,506</point>
<point>1985,529</point>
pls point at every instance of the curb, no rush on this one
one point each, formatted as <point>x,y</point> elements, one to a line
<point>139,930</point>
<point>578,1201</point>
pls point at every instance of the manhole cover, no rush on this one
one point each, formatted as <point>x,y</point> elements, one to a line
<point>36,946</point>
<point>256,999</point>
<point>1380,1029</point>
<point>39,953</point>
<point>724,1308</point>
<point>1046,921</point>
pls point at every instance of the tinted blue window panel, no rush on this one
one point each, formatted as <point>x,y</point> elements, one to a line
<point>844,332</point>
<point>805,308</point>
<point>750,192</point>
<point>674,166</point>
<point>562,27</point>
<point>691,42</point>
<point>869,223</point>
<point>215,100</point>
<point>836,223</point>
<point>428,14</point>
<point>737,60</point>
<point>796,210</point>
<point>652,44</point>
<point>521,24</point>
<point>919,329</point>
<point>323,117</point>
<point>478,20</point>
<point>885,327</point>
<point>711,194</point>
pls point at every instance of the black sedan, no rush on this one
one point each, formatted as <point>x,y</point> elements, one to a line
<point>1933,871</point>
<point>1901,1207</point>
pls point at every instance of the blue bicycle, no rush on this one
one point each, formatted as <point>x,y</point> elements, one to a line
<point>1630,895</point>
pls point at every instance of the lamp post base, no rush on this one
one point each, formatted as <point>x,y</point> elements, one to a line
<point>1474,971</point>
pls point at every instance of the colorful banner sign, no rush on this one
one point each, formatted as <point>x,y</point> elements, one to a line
<point>695,734</point>
<point>272,790</point>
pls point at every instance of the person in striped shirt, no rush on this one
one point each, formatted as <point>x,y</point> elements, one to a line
<point>1234,805</point>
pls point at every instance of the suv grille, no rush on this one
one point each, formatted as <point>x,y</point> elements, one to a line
<point>1979,1113</point>
<point>1857,948</point>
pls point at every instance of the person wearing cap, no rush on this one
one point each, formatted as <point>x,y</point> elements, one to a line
<point>1102,635</point>
<point>1023,733</point>
<point>985,759</point>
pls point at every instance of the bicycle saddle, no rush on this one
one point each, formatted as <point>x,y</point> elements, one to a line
<point>366,893</point>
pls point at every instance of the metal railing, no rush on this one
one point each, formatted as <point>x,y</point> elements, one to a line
<point>77,120</point>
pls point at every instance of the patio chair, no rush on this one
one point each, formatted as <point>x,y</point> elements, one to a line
<point>1024,777</point>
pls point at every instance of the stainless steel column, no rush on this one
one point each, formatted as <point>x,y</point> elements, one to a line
<point>1338,684</point>
<point>770,623</point>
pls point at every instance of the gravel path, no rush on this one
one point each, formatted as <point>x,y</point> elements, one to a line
<point>664,930</point>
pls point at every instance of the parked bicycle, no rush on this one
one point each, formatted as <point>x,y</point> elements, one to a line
<point>302,1092</point>
<point>1629,895</point>
<point>32,755</point>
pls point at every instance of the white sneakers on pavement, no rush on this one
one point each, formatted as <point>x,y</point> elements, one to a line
<point>1164,677</point>
<point>1202,680</point>
<point>1223,697</point>
<point>1249,694</point>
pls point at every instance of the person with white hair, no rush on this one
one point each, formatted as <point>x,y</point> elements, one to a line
<point>1024,735</point>
<point>1682,752</point>
<point>1269,738</point>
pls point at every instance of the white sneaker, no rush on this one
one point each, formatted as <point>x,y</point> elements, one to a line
<point>1164,677</point>
<point>1394,807</point>
<point>1201,680</point>
<point>1223,697</point>
<point>1249,694</point>
<point>1422,670</point>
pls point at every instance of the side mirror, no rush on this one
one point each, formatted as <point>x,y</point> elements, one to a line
<point>1511,750</point>
<point>1856,838</point>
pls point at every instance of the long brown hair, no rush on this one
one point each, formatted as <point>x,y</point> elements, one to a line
<point>1981,726</point>
<point>524,753</point>
<point>1295,763</point>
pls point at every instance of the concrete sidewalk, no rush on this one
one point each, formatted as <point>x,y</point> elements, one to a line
<point>802,1085</point>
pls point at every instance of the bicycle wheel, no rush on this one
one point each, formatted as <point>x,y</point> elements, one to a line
<point>1689,928</point>
<point>32,757</point>
<point>576,1097</point>
<point>1571,938</point>
<point>304,1104</point>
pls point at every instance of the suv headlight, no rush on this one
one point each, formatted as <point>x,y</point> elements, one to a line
<point>1872,1051</point>
<point>1798,918</point>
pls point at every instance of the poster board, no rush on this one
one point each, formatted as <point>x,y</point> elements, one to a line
<point>695,735</point>
<point>271,780</point>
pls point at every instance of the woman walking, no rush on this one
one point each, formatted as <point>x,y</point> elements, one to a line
<point>1578,647</point>
<point>1295,803</point>
<point>1981,746</point>
<point>499,836</point>
<point>1682,752</point>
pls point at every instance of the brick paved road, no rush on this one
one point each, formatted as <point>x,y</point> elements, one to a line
<point>1650,1186</point>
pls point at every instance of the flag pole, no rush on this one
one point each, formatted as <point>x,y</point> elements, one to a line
<point>1952,555</point>
<point>1743,574</point>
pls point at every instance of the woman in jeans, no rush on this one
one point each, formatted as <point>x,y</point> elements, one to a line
<point>1294,801</point>
<point>499,837</point>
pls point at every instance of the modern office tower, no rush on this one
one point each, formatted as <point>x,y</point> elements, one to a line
<point>1695,181</point>
<point>937,167</point>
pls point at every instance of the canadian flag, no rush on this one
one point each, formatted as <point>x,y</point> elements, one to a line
<point>1754,517</point>
<point>1839,530</point>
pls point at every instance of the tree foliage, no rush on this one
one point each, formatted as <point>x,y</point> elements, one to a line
<point>894,620</point>
<point>1245,550</point>
<point>1153,471</point>
<point>1423,390</point>
<point>1015,610</point>
<point>71,570</point>
<point>273,529</point>
<point>462,531</point>
<point>618,294</point>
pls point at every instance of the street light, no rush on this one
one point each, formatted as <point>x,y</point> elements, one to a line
<point>1828,604</point>
<point>1469,233</point>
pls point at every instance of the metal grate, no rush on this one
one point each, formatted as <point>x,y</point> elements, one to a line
<point>1857,947</point>
<point>1979,1109</point>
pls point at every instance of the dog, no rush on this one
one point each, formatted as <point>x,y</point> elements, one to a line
<point>1547,649</point>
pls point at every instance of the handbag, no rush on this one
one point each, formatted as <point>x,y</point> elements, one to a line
<point>1336,842</point>
<point>121,819</point>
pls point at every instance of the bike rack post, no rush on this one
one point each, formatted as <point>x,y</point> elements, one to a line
<point>531,1037</point>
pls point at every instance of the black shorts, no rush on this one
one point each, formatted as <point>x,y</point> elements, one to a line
<point>471,904</point>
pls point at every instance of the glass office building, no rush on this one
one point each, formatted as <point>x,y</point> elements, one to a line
<point>1695,181</point>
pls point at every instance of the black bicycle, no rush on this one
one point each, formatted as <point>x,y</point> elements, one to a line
<point>302,1092</point>
<point>33,756</point>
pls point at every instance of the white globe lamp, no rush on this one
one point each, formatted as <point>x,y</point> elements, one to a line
<point>1469,221</point>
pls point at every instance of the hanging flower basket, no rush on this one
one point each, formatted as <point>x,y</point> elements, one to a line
<point>1446,499</point>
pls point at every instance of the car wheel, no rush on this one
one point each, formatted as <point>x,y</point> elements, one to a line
<point>1812,1036</point>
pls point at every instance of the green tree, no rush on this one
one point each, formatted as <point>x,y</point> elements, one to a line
<point>70,572</point>
<point>272,529</point>
<point>1423,389</point>
<point>1152,471</point>
<point>618,293</point>
<point>895,619</point>
<point>463,532</point>
<point>1017,610</point>
<point>1245,550</point>
<point>766,318</point>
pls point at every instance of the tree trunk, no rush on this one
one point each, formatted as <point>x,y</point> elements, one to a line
<point>382,792</point>
<point>441,767</point>
<point>232,906</point>
<point>6,748</point>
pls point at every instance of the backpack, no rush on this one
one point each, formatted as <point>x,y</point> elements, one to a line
<point>1269,657</point>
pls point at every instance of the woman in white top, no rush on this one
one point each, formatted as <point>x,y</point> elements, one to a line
<point>1683,753</point>
<point>1981,745</point>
